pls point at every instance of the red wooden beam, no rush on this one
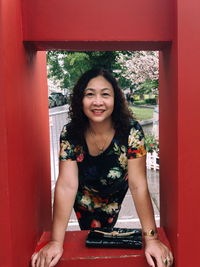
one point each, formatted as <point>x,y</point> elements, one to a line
<point>90,20</point>
<point>77,254</point>
<point>96,46</point>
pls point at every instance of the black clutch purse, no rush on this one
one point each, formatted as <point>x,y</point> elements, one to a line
<point>114,238</point>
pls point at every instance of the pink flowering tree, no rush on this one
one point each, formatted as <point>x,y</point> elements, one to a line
<point>142,69</point>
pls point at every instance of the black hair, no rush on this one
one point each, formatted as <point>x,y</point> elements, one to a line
<point>121,116</point>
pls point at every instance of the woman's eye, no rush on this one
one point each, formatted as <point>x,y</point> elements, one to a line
<point>89,94</point>
<point>106,94</point>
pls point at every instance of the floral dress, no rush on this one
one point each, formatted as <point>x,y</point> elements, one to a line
<point>103,179</point>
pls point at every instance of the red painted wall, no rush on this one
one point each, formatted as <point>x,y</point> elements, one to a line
<point>179,135</point>
<point>103,20</point>
<point>168,130</point>
<point>188,39</point>
<point>24,151</point>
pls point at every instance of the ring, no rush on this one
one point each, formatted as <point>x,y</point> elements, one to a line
<point>166,260</point>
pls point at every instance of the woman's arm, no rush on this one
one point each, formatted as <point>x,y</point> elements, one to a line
<point>154,249</point>
<point>65,193</point>
<point>140,193</point>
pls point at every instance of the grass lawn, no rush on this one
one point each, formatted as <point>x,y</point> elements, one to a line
<point>142,113</point>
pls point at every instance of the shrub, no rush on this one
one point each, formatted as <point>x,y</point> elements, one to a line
<point>139,102</point>
<point>152,143</point>
<point>151,101</point>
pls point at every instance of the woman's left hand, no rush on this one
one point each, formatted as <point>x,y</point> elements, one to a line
<point>156,249</point>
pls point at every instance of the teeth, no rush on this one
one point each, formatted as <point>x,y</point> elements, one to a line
<point>98,111</point>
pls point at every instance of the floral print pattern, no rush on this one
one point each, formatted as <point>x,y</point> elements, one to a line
<point>103,179</point>
<point>114,173</point>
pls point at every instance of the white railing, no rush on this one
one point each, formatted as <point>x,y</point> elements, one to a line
<point>56,122</point>
<point>152,161</point>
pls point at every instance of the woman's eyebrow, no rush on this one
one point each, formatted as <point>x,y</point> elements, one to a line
<point>105,89</point>
<point>92,89</point>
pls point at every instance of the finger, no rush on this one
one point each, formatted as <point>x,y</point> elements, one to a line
<point>55,260</point>
<point>149,260</point>
<point>34,259</point>
<point>34,254</point>
<point>170,261</point>
<point>160,262</point>
<point>42,262</point>
<point>167,261</point>
<point>38,262</point>
<point>48,261</point>
<point>171,258</point>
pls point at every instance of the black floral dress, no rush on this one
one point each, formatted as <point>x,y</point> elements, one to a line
<point>103,179</point>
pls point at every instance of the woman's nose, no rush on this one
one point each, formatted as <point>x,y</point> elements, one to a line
<point>98,100</point>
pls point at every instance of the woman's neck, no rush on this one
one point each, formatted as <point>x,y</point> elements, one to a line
<point>100,128</point>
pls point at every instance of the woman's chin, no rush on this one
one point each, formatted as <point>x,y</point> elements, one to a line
<point>99,119</point>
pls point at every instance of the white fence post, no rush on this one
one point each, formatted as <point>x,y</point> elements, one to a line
<point>56,122</point>
<point>151,160</point>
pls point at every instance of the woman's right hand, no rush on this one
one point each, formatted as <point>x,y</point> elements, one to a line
<point>48,256</point>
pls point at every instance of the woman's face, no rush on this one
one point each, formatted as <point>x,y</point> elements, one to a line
<point>98,100</point>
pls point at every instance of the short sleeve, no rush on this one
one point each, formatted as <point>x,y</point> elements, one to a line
<point>136,142</point>
<point>66,146</point>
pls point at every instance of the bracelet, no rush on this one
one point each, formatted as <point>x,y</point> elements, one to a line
<point>150,233</point>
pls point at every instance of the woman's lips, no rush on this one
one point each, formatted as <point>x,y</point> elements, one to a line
<point>98,112</point>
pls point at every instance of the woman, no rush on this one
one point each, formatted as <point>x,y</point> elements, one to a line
<point>102,155</point>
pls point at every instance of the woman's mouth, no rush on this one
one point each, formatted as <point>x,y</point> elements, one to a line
<point>97,111</point>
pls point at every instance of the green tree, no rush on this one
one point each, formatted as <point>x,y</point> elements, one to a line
<point>148,87</point>
<point>67,66</point>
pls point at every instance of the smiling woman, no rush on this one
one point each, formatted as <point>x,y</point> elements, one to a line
<point>102,154</point>
<point>98,100</point>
